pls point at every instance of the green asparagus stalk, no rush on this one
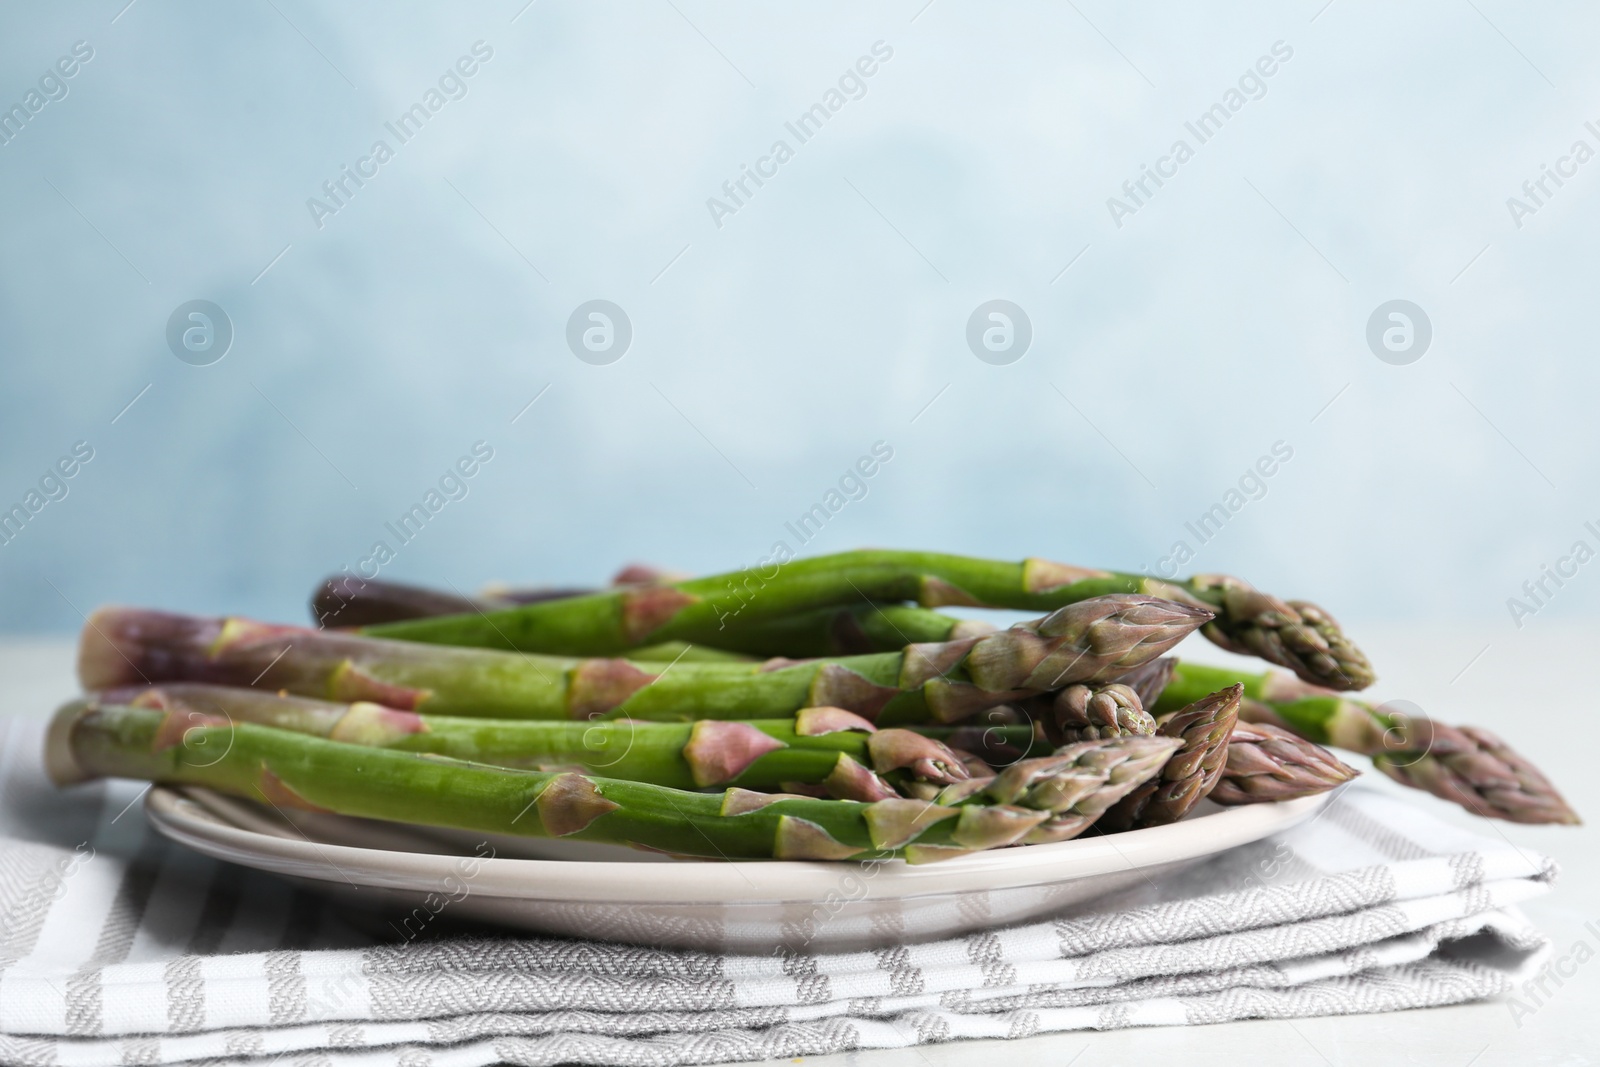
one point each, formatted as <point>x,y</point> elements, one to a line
<point>287,769</point>
<point>839,752</point>
<point>1292,634</point>
<point>942,681</point>
<point>1465,765</point>
<point>1193,771</point>
<point>347,601</point>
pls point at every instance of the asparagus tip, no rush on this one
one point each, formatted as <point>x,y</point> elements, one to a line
<point>1089,712</point>
<point>1190,773</point>
<point>1296,634</point>
<point>1479,771</point>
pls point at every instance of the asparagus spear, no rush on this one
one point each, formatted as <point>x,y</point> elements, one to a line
<point>1476,769</point>
<point>1465,765</point>
<point>1296,635</point>
<point>343,600</point>
<point>1193,771</point>
<point>288,769</point>
<point>347,601</point>
<point>943,681</point>
<point>1274,636</point>
<point>834,749</point>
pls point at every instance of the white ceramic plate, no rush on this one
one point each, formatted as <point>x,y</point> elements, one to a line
<point>618,894</point>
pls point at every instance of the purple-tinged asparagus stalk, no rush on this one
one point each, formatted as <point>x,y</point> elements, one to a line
<point>345,600</point>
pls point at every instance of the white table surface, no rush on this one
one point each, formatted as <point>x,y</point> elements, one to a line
<point>1532,686</point>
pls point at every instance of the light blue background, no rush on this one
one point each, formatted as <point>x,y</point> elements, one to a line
<point>826,315</point>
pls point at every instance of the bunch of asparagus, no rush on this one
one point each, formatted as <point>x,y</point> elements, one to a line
<point>818,711</point>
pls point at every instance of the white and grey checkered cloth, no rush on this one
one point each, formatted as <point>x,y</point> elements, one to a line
<point>120,948</point>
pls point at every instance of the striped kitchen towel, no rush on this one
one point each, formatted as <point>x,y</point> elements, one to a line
<point>117,947</point>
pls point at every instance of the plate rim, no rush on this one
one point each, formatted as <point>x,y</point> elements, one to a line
<point>185,820</point>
